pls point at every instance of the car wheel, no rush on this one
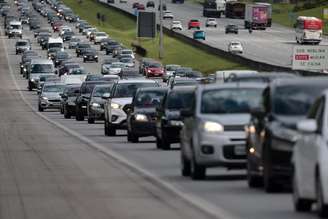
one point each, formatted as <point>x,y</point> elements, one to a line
<point>67,115</point>
<point>91,120</point>
<point>252,180</point>
<point>185,166</point>
<point>165,144</point>
<point>40,108</point>
<point>300,205</point>
<point>270,185</point>
<point>158,143</point>
<point>197,172</point>
<point>61,110</point>
<point>321,206</point>
<point>79,116</point>
<point>215,26</point>
<point>132,138</point>
<point>111,130</point>
<point>106,128</point>
<point>83,60</point>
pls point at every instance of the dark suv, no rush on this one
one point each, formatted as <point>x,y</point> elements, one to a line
<point>68,100</point>
<point>169,121</point>
<point>272,132</point>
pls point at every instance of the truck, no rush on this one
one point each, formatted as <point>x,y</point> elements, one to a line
<point>256,17</point>
<point>214,8</point>
<point>235,10</point>
<point>269,6</point>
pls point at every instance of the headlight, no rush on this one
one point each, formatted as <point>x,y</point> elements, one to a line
<point>96,56</point>
<point>213,127</point>
<point>85,56</point>
<point>149,71</point>
<point>95,104</point>
<point>32,79</point>
<point>250,129</point>
<point>141,118</point>
<point>115,105</point>
<point>44,98</point>
<point>24,69</point>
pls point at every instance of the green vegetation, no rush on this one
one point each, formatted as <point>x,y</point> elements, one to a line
<point>123,29</point>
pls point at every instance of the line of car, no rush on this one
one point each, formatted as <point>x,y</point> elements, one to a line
<point>272,124</point>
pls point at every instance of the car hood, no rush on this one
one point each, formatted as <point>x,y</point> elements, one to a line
<point>122,101</point>
<point>98,100</point>
<point>228,119</point>
<point>51,95</point>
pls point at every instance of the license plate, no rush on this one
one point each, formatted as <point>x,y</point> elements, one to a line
<point>240,150</point>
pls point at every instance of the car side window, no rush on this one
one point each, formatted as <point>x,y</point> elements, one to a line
<point>314,109</point>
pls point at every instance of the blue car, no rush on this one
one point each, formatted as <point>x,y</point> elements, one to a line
<point>199,35</point>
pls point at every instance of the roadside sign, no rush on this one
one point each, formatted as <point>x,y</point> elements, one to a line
<point>146,24</point>
<point>310,58</point>
<point>325,13</point>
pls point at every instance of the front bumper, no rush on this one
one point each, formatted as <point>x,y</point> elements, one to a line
<point>226,149</point>
<point>97,113</point>
<point>143,129</point>
<point>50,104</point>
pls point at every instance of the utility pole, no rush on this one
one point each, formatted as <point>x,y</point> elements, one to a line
<point>161,48</point>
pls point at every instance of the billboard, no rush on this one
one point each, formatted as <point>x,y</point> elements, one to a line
<point>310,58</point>
<point>146,24</point>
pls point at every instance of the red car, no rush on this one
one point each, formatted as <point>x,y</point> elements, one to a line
<point>56,25</point>
<point>141,7</point>
<point>154,69</point>
<point>194,23</point>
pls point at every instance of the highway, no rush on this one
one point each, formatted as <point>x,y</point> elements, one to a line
<point>273,46</point>
<point>53,167</point>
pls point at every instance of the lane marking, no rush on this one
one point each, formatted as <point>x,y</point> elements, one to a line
<point>203,205</point>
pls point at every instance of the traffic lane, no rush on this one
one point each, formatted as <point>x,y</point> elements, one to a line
<point>47,173</point>
<point>226,189</point>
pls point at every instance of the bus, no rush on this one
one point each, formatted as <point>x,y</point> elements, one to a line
<point>308,30</point>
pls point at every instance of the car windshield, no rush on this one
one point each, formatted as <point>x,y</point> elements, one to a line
<point>87,88</point>
<point>72,91</point>
<point>230,101</point>
<point>84,46</point>
<point>129,89</point>
<point>42,68</point>
<point>126,52</point>
<point>99,91</point>
<point>117,65</point>
<point>53,88</point>
<point>185,83</point>
<point>55,45</point>
<point>62,55</point>
<point>21,43</point>
<point>77,71</point>
<point>295,100</point>
<point>155,65</point>
<point>180,100</point>
<point>172,67</point>
<point>235,44</point>
<point>149,98</point>
<point>15,27</point>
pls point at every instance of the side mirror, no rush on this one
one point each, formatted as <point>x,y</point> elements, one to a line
<point>258,112</point>
<point>129,108</point>
<point>307,126</point>
<point>186,113</point>
<point>106,96</point>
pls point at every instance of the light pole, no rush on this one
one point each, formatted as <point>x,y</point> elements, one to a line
<point>161,48</point>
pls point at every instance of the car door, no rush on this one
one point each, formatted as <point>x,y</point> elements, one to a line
<point>308,149</point>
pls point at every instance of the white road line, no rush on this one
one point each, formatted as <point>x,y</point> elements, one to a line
<point>199,203</point>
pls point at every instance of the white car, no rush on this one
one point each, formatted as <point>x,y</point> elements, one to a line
<point>310,153</point>
<point>168,15</point>
<point>99,36</point>
<point>88,31</point>
<point>211,22</point>
<point>176,25</point>
<point>112,69</point>
<point>235,47</point>
<point>115,106</point>
<point>127,52</point>
<point>63,29</point>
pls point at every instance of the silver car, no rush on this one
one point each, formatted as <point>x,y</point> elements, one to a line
<point>214,129</point>
<point>49,97</point>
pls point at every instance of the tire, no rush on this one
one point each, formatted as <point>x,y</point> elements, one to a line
<point>270,185</point>
<point>40,109</point>
<point>67,115</point>
<point>106,128</point>
<point>158,143</point>
<point>252,180</point>
<point>300,205</point>
<point>79,116</point>
<point>83,61</point>
<point>30,88</point>
<point>165,144</point>
<point>111,130</point>
<point>185,166</point>
<point>132,138</point>
<point>91,120</point>
<point>321,206</point>
<point>197,172</point>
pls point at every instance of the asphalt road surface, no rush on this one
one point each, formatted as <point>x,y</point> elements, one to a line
<point>53,167</point>
<point>273,46</point>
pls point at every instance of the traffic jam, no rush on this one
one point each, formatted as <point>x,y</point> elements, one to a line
<point>273,125</point>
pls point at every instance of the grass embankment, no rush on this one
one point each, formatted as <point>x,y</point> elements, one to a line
<point>123,29</point>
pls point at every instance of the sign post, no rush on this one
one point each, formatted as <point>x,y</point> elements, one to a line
<point>310,58</point>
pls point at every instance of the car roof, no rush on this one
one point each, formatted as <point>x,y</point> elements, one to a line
<point>41,61</point>
<point>153,89</point>
<point>53,83</point>
<point>232,85</point>
<point>128,81</point>
<point>300,81</point>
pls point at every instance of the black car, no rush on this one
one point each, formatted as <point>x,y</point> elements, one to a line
<point>81,47</point>
<point>59,57</point>
<point>231,28</point>
<point>169,121</point>
<point>68,100</point>
<point>64,69</point>
<point>96,103</point>
<point>150,4</point>
<point>141,120</point>
<point>34,24</point>
<point>68,35</point>
<point>41,30</point>
<point>27,56</point>
<point>90,55</point>
<point>104,42</point>
<point>111,46</point>
<point>52,51</point>
<point>272,132</point>
<point>83,97</point>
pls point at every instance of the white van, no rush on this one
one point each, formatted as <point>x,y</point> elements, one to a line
<point>222,76</point>
<point>15,29</point>
<point>55,43</point>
